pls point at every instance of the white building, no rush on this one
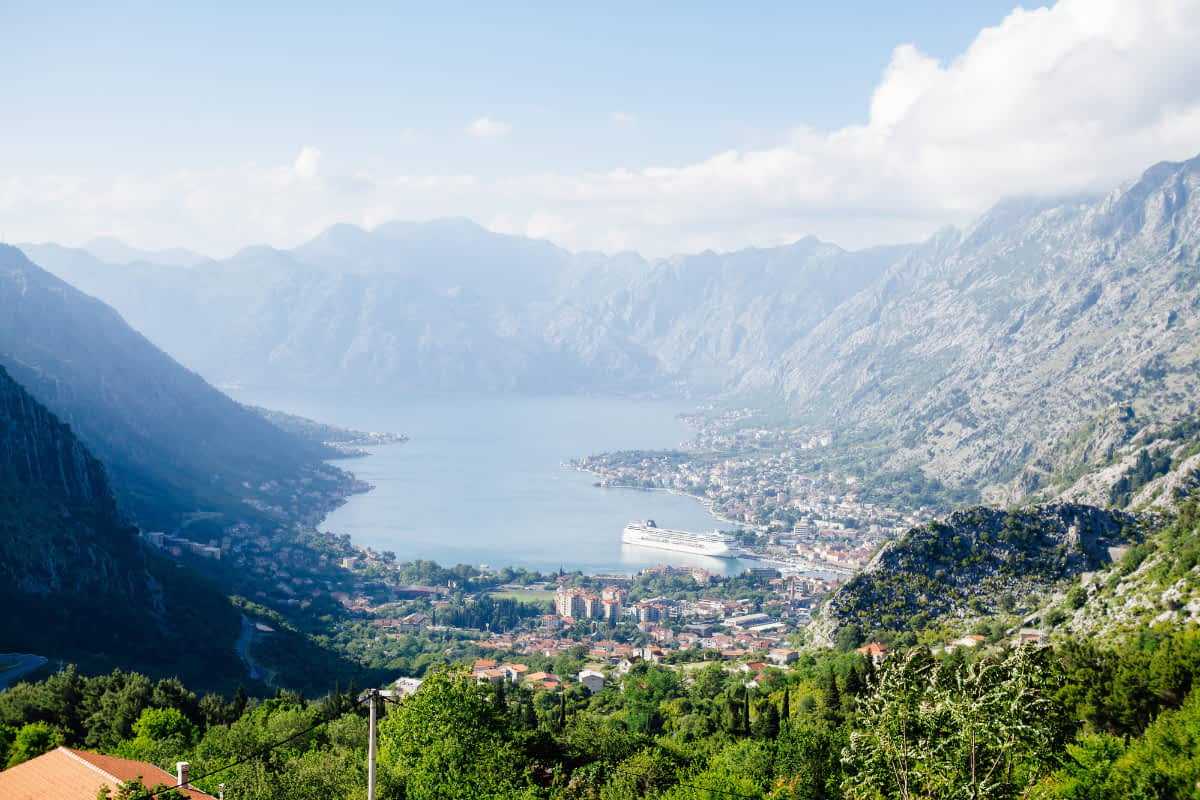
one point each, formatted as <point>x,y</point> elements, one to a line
<point>592,679</point>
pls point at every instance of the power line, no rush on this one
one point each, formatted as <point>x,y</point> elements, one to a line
<point>150,795</point>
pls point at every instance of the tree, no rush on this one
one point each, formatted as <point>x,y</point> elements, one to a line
<point>161,736</point>
<point>7,734</point>
<point>1085,773</point>
<point>766,721</point>
<point>808,763</point>
<point>848,637</point>
<point>135,788</point>
<point>984,730</point>
<point>831,698</point>
<point>645,773</point>
<point>31,741</point>
<point>450,740</point>
<point>709,681</point>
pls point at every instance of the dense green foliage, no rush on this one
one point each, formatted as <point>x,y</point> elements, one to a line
<point>1084,720</point>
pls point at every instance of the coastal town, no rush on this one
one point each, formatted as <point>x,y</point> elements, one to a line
<point>773,486</point>
<point>600,626</point>
<point>798,529</point>
<point>764,479</point>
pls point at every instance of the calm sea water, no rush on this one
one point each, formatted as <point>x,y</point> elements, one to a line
<point>483,481</point>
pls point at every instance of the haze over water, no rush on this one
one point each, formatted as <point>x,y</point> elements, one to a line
<point>482,479</point>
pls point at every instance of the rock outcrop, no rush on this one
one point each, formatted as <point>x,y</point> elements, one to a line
<point>976,562</point>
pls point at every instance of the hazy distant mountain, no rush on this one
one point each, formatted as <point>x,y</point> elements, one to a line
<point>74,583</point>
<point>448,305</point>
<point>115,251</point>
<point>170,441</point>
<point>716,322</point>
<point>1030,343</point>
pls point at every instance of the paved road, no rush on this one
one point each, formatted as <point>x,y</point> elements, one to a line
<point>26,662</point>
<point>243,650</point>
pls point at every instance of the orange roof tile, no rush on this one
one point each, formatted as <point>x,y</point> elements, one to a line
<point>66,774</point>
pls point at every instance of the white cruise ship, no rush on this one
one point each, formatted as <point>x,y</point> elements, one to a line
<point>647,534</point>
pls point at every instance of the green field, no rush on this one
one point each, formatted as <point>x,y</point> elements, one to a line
<point>531,596</point>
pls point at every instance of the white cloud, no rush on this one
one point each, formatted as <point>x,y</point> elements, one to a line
<point>1073,98</point>
<point>623,119</point>
<point>487,128</point>
<point>307,163</point>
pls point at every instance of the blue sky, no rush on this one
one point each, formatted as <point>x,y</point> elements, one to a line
<point>522,115</point>
<point>162,86</point>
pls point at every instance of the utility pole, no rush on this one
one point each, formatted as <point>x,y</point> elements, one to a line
<point>372,697</point>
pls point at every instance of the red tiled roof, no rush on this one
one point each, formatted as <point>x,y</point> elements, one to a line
<point>66,774</point>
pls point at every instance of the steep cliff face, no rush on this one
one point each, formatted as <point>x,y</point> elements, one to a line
<point>74,582</point>
<point>976,562</point>
<point>1037,341</point>
<point>60,531</point>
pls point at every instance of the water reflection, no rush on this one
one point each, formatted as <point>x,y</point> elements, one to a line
<point>639,557</point>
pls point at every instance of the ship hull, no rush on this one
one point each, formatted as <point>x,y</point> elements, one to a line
<point>679,541</point>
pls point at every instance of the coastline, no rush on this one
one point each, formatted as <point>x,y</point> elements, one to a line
<point>704,501</point>
<point>808,566</point>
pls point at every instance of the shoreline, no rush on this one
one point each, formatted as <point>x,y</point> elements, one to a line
<point>807,566</point>
<point>367,487</point>
<point>718,521</point>
<point>703,501</point>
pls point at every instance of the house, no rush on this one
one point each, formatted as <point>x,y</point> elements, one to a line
<point>493,676</point>
<point>515,672</point>
<point>482,664</point>
<point>782,655</point>
<point>544,680</point>
<point>876,651</point>
<point>407,686</point>
<point>412,623</point>
<point>973,640</point>
<point>592,679</point>
<point>68,774</point>
<point>1029,636</point>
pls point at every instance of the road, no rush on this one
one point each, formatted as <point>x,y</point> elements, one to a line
<point>243,650</point>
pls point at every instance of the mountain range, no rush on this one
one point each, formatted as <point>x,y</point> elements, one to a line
<point>1030,344</point>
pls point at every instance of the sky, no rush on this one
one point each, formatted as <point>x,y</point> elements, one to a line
<point>661,128</point>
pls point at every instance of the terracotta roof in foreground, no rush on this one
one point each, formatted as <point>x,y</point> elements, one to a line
<point>67,774</point>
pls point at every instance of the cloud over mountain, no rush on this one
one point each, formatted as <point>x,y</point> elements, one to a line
<point>1058,100</point>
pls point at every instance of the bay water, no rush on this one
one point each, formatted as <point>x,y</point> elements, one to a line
<point>483,478</point>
